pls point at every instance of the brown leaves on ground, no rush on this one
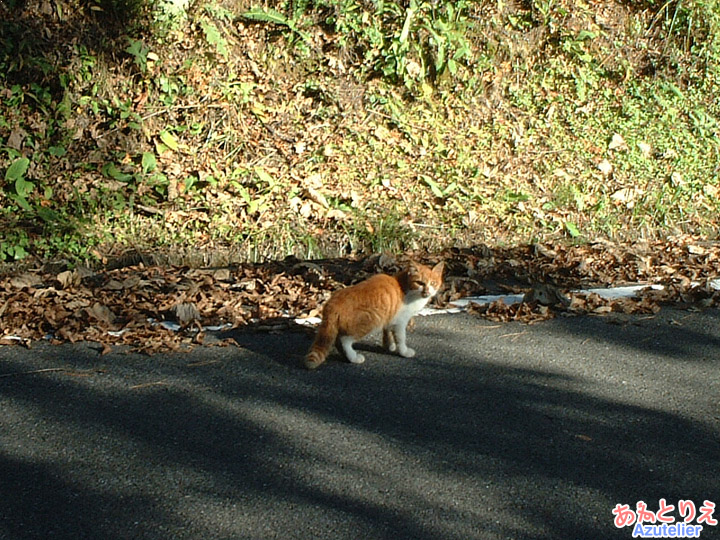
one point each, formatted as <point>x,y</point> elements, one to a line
<point>647,301</point>
<point>521,311</point>
<point>132,305</point>
<point>580,304</point>
<point>685,268</point>
<point>126,306</point>
<point>681,260</point>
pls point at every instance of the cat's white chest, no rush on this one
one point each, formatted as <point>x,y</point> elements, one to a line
<point>413,304</point>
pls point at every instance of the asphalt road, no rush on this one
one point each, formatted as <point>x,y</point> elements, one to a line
<point>494,431</point>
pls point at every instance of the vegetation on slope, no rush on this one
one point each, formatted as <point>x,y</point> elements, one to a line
<point>308,127</point>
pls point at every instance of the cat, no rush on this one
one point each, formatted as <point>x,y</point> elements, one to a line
<point>382,301</point>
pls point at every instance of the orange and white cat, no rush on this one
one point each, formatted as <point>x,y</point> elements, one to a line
<point>382,301</point>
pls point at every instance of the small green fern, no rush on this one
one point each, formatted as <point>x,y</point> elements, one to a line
<point>215,38</point>
<point>273,16</point>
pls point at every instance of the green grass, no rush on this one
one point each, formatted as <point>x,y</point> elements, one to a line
<point>326,129</point>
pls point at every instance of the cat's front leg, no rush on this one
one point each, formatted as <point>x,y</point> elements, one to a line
<point>402,348</point>
<point>389,339</point>
<point>346,342</point>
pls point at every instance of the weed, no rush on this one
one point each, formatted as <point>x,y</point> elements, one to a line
<point>272,16</point>
<point>215,38</point>
<point>14,245</point>
<point>139,51</point>
<point>431,121</point>
<point>169,14</point>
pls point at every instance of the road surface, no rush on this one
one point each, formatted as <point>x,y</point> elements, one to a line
<point>494,431</point>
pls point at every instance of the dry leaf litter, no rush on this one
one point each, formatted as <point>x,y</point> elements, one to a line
<point>133,305</point>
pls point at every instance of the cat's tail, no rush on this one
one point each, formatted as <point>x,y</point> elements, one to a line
<point>324,340</point>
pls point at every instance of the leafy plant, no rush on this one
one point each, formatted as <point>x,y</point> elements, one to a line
<point>15,175</point>
<point>215,38</point>
<point>406,43</point>
<point>377,234</point>
<point>420,42</point>
<point>170,13</point>
<point>437,190</point>
<point>272,16</point>
<point>139,51</point>
<point>14,245</point>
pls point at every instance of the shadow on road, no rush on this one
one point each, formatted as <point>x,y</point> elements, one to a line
<point>239,443</point>
<point>669,335</point>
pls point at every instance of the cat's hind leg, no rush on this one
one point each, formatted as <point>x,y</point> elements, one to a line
<point>346,343</point>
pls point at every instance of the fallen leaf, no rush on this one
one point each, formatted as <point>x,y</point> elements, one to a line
<point>617,143</point>
<point>696,250</point>
<point>25,281</point>
<point>336,214</point>
<point>626,196</point>
<point>101,313</point>
<point>68,278</point>
<point>605,167</point>
<point>317,197</point>
<point>186,313</point>
<point>16,138</point>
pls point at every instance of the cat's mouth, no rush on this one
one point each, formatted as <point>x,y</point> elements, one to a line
<point>427,293</point>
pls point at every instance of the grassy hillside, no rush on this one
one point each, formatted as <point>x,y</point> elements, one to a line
<point>216,130</point>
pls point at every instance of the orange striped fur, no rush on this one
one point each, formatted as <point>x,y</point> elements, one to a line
<point>382,301</point>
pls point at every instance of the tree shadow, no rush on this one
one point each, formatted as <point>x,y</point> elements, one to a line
<point>230,443</point>
<point>39,38</point>
<point>41,501</point>
<point>672,334</point>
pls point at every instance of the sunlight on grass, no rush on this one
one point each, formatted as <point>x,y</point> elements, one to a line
<point>305,130</point>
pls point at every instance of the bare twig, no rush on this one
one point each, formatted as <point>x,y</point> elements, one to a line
<point>32,372</point>
<point>146,385</point>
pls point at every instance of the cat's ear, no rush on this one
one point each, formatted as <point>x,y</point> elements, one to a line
<point>438,268</point>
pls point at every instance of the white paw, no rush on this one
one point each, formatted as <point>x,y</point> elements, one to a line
<point>392,347</point>
<point>359,359</point>
<point>407,352</point>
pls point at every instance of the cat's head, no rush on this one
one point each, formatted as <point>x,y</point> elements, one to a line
<point>427,281</point>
